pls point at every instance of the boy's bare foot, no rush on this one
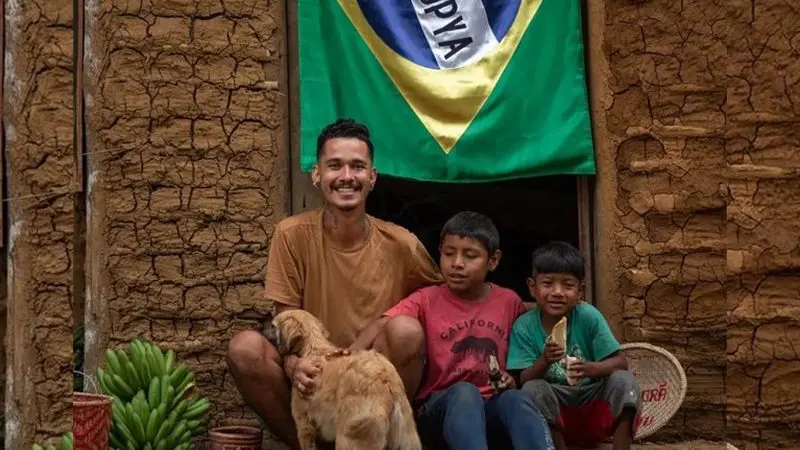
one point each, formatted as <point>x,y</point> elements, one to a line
<point>623,434</point>
<point>558,439</point>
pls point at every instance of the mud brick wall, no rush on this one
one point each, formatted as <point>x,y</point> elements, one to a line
<point>659,113</point>
<point>40,164</point>
<point>186,130</point>
<point>763,225</point>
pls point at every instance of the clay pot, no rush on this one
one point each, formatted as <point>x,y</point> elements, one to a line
<point>235,438</point>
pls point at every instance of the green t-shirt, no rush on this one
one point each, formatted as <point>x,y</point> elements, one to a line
<point>589,338</point>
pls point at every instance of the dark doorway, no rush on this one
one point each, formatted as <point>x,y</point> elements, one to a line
<point>527,213</point>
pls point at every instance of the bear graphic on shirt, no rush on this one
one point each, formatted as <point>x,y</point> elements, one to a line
<point>480,347</point>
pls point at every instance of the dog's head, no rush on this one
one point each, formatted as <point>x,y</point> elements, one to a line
<point>294,331</point>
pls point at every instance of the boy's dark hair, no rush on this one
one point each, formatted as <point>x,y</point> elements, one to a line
<point>473,225</point>
<point>559,257</point>
<point>344,128</point>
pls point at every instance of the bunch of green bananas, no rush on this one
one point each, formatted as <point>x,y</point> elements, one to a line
<point>151,406</point>
<point>66,443</point>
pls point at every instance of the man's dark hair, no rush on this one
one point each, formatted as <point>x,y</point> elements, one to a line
<point>344,128</point>
<point>473,225</point>
<point>559,257</point>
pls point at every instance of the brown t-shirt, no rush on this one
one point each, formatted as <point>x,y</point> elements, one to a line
<point>349,289</point>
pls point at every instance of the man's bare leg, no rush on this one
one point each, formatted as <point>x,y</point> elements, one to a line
<point>402,340</point>
<point>258,374</point>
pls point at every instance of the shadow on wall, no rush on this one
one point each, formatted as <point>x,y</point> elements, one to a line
<point>527,212</point>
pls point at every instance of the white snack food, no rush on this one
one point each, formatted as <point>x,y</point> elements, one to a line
<point>559,333</point>
<point>572,381</point>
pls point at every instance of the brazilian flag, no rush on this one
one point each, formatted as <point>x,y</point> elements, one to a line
<point>452,90</point>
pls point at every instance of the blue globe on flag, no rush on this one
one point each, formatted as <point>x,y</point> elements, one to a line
<point>441,34</point>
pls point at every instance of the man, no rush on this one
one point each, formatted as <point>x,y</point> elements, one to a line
<point>346,268</point>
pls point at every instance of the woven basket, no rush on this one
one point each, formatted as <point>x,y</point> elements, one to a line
<point>662,382</point>
<point>235,437</point>
<point>91,420</point>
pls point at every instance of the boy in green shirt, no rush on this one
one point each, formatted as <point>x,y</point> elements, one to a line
<point>596,396</point>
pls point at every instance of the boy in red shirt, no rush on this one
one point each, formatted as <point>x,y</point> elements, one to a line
<point>467,322</point>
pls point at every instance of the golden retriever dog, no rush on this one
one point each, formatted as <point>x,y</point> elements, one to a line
<point>360,402</point>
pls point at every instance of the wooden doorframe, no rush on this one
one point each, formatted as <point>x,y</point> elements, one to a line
<point>3,190</point>
<point>585,196</point>
<point>303,196</point>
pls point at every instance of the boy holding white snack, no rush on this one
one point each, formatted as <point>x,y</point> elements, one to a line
<point>566,357</point>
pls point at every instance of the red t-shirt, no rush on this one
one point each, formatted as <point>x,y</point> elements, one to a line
<point>460,335</point>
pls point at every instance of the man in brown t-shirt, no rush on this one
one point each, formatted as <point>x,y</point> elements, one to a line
<point>346,268</point>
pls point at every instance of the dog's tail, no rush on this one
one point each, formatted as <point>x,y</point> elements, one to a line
<point>402,428</point>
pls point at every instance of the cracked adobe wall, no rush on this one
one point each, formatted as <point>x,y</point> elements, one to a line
<point>662,137</point>
<point>186,132</point>
<point>763,228</point>
<point>40,163</point>
<point>187,185</point>
<point>698,117</point>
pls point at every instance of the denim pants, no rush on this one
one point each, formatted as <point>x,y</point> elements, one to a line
<point>458,418</point>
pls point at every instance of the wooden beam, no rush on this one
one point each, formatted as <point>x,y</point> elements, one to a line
<point>38,164</point>
<point>3,190</point>
<point>96,314</point>
<point>77,81</point>
<point>585,232</point>
<point>303,194</point>
<point>286,84</point>
<point>606,253</point>
<point>79,203</point>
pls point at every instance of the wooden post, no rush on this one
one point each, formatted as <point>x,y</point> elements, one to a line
<point>289,122</point>
<point>96,321</point>
<point>39,163</point>
<point>3,128</point>
<point>79,255</point>
<point>605,186</point>
<point>585,233</point>
<point>304,195</point>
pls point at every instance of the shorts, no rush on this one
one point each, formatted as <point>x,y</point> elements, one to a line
<point>590,410</point>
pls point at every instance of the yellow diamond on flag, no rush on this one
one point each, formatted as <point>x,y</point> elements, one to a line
<point>444,56</point>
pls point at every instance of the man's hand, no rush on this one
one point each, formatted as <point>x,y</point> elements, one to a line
<point>304,376</point>
<point>506,382</point>
<point>582,369</point>
<point>552,352</point>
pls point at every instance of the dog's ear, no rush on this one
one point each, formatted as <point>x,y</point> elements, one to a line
<point>290,337</point>
<point>272,333</point>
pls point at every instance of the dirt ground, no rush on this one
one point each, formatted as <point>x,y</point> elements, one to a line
<point>689,445</point>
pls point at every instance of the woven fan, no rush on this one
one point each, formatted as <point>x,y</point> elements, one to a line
<point>662,382</point>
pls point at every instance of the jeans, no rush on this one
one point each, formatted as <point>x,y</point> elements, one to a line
<point>458,418</point>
